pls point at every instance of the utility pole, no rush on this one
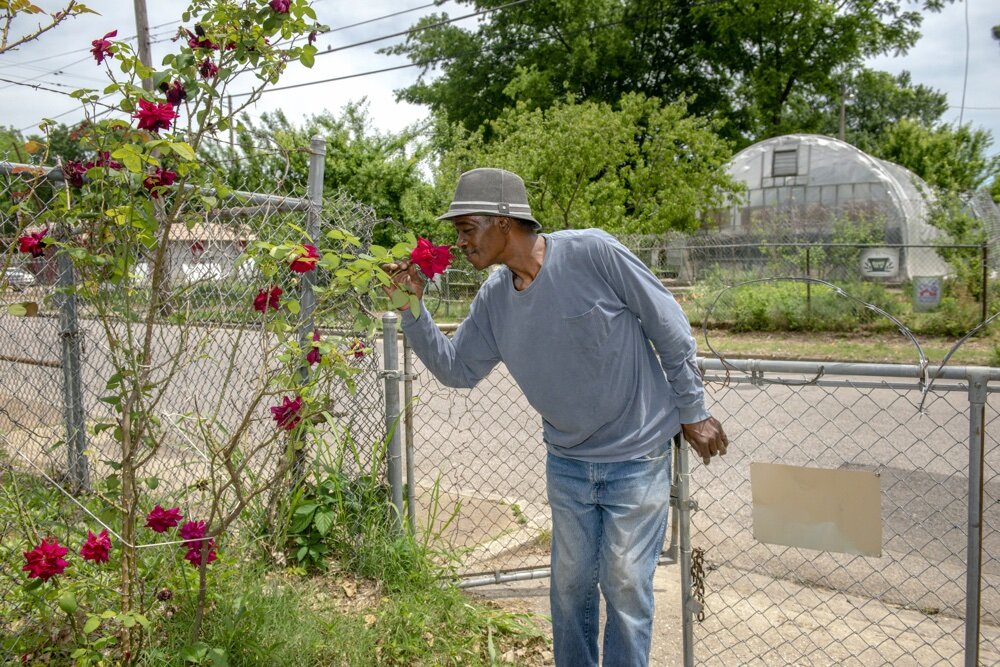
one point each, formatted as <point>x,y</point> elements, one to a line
<point>142,34</point>
<point>843,110</point>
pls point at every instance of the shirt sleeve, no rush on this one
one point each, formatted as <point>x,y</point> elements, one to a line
<point>461,361</point>
<point>663,322</point>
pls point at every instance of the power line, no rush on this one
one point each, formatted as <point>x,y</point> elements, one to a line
<point>422,28</point>
<point>386,16</point>
<point>80,50</point>
<point>437,60</point>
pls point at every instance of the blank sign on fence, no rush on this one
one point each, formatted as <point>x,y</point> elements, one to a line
<point>815,508</point>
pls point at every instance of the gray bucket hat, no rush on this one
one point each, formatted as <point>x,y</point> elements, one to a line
<point>488,191</point>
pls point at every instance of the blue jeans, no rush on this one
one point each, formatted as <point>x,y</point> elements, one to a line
<point>608,523</point>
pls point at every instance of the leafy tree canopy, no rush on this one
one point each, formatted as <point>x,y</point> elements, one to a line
<point>948,158</point>
<point>637,166</point>
<point>380,169</point>
<point>749,65</point>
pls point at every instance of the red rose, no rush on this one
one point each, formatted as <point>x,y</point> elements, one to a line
<point>191,531</point>
<point>102,47</point>
<point>175,92</point>
<point>46,560</point>
<point>358,348</point>
<point>160,519</point>
<point>33,243</point>
<point>280,6</point>
<point>103,160</point>
<point>432,259</point>
<point>208,69</point>
<point>158,181</point>
<point>287,414</point>
<point>97,547</point>
<point>314,355</point>
<point>155,116</point>
<point>193,554</point>
<point>73,172</point>
<point>306,260</point>
<point>267,299</point>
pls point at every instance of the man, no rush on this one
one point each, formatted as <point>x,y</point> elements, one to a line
<point>573,315</point>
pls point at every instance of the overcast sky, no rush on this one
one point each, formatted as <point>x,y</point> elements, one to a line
<point>60,60</point>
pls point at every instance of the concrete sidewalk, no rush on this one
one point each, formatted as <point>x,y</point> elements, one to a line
<point>758,620</point>
<point>666,651</point>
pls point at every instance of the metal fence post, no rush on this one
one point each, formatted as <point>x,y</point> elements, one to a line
<point>411,505</point>
<point>690,607</point>
<point>394,468</point>
<point>985,289</point>
<point>973,581</point>
<point>307,298</point>
<point>69,332</point>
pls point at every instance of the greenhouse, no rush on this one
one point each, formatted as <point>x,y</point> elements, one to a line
<point>803,187</point>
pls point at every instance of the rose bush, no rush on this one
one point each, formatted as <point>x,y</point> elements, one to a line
<point>139,183</point>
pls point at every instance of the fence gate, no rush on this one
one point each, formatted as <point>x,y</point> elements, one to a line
<point>771,604</point>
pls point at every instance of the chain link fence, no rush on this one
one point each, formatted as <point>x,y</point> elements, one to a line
<point>211,354</point>
<point>480,451</point>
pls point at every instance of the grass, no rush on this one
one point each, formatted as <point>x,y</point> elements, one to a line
<point>883,347</point>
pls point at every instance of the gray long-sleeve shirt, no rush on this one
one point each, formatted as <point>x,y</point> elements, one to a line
<point>577,341</point>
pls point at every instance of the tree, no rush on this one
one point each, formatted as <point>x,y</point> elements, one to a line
<point>10,40</point>
<point>750,65</point>
<point>12,145</point>
<point>948,158</point>
<point>640,166</point>
<point>379,169</point>
<point>877,101</point>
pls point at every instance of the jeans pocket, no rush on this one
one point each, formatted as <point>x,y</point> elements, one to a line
<point>658,453</point>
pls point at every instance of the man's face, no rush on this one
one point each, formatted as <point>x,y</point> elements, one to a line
<point>481,239</point>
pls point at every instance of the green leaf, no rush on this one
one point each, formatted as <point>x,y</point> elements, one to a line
<point>400,298</point>
<point>142,620</point>
<point>308,55</point>
<point>67,602</point>
<point>93,622</point>
<point>17,309</point>
<point>218,657</point>
<point>293,307</point>
<point>323,520</point>
<point>183,149</point>
<point>152,482</point>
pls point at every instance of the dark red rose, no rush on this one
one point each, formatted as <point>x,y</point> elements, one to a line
<point>287,414</point>
<point>199,40</point>
<point>73,172</point>
<point>193,554</point>
<point>312,36</point>
<point>155,116</point>
<point>46,560</point>
<point>432,259</point>
<point>314,354</point>
<point>175,92</point>
<point>208,69</point>
<point>280,6</point>
<point>97,547</point>
<point>160,520</point>
<point>359,348</point>
<point>306,260</point>
<point>192,530</point>
<point>104,160</point>
<point>158,181</point>
<point>267,298</point>
<point>102,47</point>
<point>33,243</point>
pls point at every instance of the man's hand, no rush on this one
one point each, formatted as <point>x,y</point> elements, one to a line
<point>707,438</point>
<point>406,275</point>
